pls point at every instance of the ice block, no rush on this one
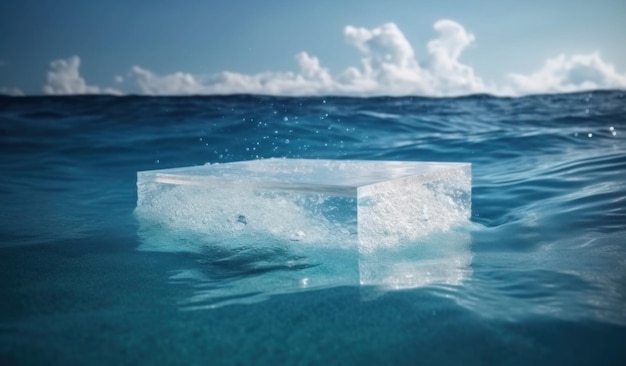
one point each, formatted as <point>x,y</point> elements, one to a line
<point>345,203</point>
<point>303,224</point>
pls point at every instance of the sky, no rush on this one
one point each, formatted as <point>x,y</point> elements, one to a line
<point>322,47</point>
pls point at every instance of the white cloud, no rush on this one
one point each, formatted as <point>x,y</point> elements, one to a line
<point>311,79</point>
<point>450,75</point>
<point>64,78</point>
<point>388,66</point>
<point>11,91</point>
<point>178,83</point>
<point>570,73</point>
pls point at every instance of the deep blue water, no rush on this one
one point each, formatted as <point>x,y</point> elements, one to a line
<point>546,280</point>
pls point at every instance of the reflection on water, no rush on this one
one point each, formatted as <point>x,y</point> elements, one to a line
<point>440,259</point>
<point>551,279</point>
<point>223,274</point>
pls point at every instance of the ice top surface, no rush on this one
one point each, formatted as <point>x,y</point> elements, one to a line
<point>335,176</point>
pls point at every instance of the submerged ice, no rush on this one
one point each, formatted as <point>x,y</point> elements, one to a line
<point>365,209</point>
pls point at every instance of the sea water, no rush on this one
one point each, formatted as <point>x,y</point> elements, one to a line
<point>537,275</point>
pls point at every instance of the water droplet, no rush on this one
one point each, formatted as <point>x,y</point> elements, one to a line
<point>590,135</point>
<point>285,119</point>
<point>287,141</point>
<point>611,128</point>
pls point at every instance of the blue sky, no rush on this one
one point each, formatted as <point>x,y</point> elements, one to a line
<point>311,47</point>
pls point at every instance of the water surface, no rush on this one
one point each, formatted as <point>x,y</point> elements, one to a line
<point>540,269</point>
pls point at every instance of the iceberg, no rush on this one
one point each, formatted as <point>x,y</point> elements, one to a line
<point>375,215</point>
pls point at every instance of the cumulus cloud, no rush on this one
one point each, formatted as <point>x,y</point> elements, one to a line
<point>388,63</point>
<point>312,78</point>
<point>388,66</point>
<point>451,76</point>
<point>570,73</point>
<point>178,83</point>
<point>64,78</point>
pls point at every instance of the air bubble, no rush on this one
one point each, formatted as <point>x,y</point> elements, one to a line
<point>297,236</point>
<point>241,222</point>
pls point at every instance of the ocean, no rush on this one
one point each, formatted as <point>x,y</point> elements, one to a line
<point>541,280</point>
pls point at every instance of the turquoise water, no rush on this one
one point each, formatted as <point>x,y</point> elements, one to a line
<point>541,279</point>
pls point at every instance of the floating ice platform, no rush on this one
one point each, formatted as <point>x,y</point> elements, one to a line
<point>367,204</point>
